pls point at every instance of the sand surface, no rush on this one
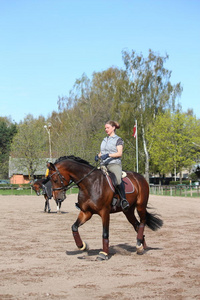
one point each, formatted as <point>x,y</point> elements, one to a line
<point>39,259</point>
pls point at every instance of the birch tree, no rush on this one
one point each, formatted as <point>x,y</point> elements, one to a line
<point>151,92</point>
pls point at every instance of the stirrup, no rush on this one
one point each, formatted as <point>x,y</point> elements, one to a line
<point>124,205</point>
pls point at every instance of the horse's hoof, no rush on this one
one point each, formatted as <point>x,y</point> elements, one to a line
<point>85,247</point>
<point>49,211</point>
<point>102,256</point>
<point>140,249</point>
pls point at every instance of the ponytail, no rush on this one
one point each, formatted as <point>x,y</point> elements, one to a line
<point>113,124</point>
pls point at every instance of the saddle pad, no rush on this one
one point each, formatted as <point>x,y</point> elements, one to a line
<point>129,187</point>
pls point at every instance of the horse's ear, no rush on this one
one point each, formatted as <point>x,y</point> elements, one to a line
<point>50,166</point>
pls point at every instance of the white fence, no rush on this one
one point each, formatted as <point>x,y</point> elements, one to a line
<point>173,190</point>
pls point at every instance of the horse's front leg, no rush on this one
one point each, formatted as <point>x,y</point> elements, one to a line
<point>58,204</point>
<point>82,218</point>
<point>47,205</point>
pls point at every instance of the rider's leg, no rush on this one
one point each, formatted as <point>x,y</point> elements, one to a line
<point>117,170</point>
<point>122,194</point>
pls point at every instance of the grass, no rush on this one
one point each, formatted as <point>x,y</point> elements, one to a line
<point>28,192</point>
<point>155,190</point>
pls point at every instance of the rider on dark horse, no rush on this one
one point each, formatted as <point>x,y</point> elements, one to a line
<point>110,154</point>
<point>47,186</point>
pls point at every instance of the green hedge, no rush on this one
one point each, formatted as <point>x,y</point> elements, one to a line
<point>184,182</point>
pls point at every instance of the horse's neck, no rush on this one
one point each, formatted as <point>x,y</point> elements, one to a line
<point>78,171</point>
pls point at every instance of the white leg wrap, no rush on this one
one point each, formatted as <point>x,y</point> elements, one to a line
<point>140,249</point>
<point>85,247</point>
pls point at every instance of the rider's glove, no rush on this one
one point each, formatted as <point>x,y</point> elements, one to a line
<point>104,156</point>
<point>96,158</point>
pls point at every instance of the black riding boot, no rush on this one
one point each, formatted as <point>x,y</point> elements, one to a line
<point>124,202</point>
<point>48,189</point>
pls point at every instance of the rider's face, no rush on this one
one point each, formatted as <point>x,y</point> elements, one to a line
<point>110,130</point>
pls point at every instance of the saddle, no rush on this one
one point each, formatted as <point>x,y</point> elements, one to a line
<point>111,178</point>
<point>129,187</point>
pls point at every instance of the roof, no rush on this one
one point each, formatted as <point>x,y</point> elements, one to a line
<point>16,167</point>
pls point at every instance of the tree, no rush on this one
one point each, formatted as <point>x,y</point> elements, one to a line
<point>150,93</point>
<point>7,132</point>
<point>139,92</point>
<point>87,108</point>
<point>171,140</point>
<point>29,144</point>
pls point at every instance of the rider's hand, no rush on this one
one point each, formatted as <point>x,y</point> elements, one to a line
<point>96,158</point>
<point>104,156</point>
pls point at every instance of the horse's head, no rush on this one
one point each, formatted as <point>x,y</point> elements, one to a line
<point>36,186</point>
<point>59,181</point>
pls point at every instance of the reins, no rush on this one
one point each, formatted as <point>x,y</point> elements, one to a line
<point>70,185</point>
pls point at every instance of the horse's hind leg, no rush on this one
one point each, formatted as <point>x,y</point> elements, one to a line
<point>82,218</point>
<point>141,244</point>
<point>139,228</point>
<point>131,218</point>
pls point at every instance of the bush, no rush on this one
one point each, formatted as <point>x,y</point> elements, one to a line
<point>174,182</point>
<point>184,182</point>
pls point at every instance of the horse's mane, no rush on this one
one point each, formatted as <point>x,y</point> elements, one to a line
<point>72,157</point>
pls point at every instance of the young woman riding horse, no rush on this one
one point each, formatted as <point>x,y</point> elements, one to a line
<point>110,154</point>
<point>95,197</point>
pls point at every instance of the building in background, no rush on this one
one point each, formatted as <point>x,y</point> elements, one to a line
<point>19,174</point>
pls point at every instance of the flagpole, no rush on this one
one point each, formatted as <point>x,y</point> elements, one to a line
<point>136,145</point>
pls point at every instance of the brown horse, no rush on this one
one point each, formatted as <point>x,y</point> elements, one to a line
<point>96,197</point>
<point>40,189</point>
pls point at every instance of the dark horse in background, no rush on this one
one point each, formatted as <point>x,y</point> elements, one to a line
<point>96,197</point>
<point>41,189</point>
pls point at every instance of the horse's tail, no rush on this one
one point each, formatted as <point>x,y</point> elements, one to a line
<point>153,221</point>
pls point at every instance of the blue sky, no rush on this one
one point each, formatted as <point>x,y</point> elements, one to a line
<point>45,45</point>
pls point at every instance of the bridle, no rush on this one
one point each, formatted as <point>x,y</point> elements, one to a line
<point>62,179</point>
<point>69,185</point>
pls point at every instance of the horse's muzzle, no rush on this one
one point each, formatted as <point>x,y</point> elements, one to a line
<point>59,195</point>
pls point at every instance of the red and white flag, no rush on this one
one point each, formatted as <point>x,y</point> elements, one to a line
<point>135,131</point>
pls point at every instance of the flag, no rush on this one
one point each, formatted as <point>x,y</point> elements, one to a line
<point>135,131</point>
